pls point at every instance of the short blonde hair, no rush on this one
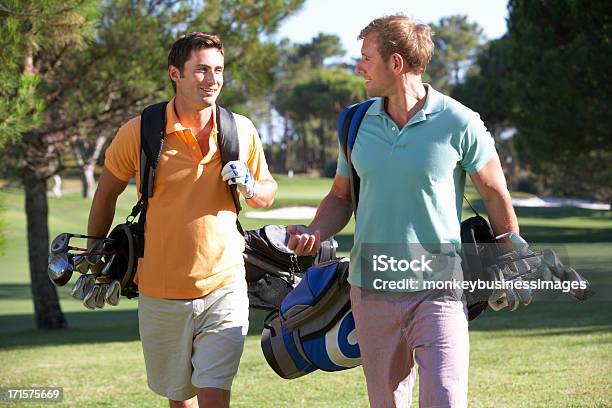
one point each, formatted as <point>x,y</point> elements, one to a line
<point>401,34</point>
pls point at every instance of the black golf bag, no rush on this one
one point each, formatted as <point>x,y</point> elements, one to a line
<point>272,270</point>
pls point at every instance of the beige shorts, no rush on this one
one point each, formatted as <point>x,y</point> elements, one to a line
<point>191,344</point>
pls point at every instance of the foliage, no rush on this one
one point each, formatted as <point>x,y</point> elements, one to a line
<point>488,90</point>
<point>456,43</point>
<point>309,95</point>
<point>562,53</point>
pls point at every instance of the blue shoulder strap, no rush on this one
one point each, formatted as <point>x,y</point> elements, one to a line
<point>348,127</point>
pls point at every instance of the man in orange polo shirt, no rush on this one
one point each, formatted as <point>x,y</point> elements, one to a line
<point>193,304</point>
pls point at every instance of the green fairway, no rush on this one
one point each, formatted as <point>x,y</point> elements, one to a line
<point>554,353</point>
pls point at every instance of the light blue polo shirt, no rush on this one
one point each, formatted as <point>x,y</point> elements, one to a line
<point>412,179</point>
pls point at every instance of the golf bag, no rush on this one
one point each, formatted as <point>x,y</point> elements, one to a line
<point>477,254</point>
<point>272,269</point>
<point>314,326</point>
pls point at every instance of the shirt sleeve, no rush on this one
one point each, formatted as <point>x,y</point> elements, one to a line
<point>256,161</point>
<point>121,157</point>
<point>342,168</point>
<point>477,145</point>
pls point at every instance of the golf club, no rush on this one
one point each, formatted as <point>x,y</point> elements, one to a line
<point>59,268</point>
<point>80,264</point>
<point>90,299</point>
<point>113,293</point>
<point>100,295</point>
<point>82,286</point>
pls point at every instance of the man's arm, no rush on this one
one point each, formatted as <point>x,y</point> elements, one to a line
<point>491,185</point>
<point>104,202</point>
<point>333,214</point>
<point>264,193</point>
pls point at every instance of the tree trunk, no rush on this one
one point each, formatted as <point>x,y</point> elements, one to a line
<point>322,145</point>
<point>47,310</point>
<point>86,156</point>
<point>287,140</point>
<point>88,180</point>
<point>304,137</point>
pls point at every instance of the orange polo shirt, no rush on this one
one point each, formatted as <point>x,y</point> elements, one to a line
<point>192,245</point>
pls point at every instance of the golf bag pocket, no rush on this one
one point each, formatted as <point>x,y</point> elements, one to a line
<point>314,327</point>
<point>272,269</point>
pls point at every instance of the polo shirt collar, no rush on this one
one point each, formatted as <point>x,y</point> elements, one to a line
<point>434,103</point>
<point>172,121</point>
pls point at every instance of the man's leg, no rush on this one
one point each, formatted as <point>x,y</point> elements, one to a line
<point>439,334</point>
<point>213,397</point>
<point>190,403</point>
<point>222,322</point>
<point>386,355</point>
<point>166,332</point>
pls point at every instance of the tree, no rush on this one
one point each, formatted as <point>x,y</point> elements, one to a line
<point>39,37</point>
<point>562,53</point>
<point>299,65</point>
<point>126,77</point>
<point>319,99</point>
<point>90,91</point>
<point>456,43</point>
<point>487,89</point>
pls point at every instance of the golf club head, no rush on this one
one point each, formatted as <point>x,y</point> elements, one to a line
<point>497,301</point>
<point>100,296</point>
<point>59,268</point>
<point>552,260</point>
<point>546,273</point>
<point>106,268</point>
<point>96,247</point>
<point>579,293</point>
<point>113,293</point>
<point>82,286</point>
<point>90,299</point>
<point>80,264</point>
<point>525,296</point>
<point>512,299</point>
<point>60,243</point>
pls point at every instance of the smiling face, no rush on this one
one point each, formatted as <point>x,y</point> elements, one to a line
<point>201,80</point>
<point>378,75</point>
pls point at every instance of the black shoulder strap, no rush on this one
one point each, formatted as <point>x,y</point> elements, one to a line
<point>152,129</point>
<point>229,148</point>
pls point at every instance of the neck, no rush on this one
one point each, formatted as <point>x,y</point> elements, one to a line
<point>190,116</point>
<point>408,99</point>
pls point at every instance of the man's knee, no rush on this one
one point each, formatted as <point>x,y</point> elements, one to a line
<point>213,397</point>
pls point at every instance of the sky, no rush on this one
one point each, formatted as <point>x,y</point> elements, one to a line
<point>346,18</point>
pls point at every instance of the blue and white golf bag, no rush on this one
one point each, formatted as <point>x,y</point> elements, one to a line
<point>314,327</point>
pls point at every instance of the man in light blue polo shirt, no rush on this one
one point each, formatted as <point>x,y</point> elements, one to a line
<point>412,153</point>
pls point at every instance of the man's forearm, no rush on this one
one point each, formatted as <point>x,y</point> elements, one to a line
<point>332,215</point>
<point>100,217</point>
<point>264,194</point>
<point>501,214</point>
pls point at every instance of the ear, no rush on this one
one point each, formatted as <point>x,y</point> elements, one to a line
<point>397,63</point>
<point>174,73</point>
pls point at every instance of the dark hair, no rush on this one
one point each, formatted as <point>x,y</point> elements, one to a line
<point>401,34</point>
<point>181,49</point>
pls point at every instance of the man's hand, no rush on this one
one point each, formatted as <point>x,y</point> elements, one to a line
<point>303,241</point>
<point>236,172</point>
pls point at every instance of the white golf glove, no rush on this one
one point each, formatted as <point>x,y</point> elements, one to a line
<point>236,172</point>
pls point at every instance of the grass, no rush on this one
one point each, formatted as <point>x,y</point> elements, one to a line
<point>555,353</point>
